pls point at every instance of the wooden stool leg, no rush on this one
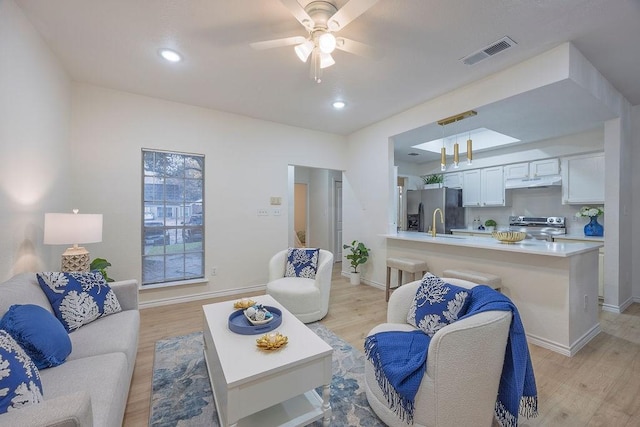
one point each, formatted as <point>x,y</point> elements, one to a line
<point>388,283</point>
<point>399,278</point>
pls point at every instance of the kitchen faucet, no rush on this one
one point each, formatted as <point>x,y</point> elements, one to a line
<point>433,224</point>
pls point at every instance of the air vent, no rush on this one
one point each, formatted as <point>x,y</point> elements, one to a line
<point>484,53</point>
<point>413,154</point>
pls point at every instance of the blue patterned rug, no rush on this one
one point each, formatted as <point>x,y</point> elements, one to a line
<point>181,392</point>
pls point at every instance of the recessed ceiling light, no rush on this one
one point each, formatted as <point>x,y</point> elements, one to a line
<point>170,55</point>
<point>339,105</point>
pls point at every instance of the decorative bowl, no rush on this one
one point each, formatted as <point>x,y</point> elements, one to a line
<point>258,316</point>
<point>272,341</point>
<point>509,236</point>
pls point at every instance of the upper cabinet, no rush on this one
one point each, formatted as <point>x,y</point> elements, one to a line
<point>453,180</point>
<point>583,179</point>
<point>483,187</point>
<point>532,169</point>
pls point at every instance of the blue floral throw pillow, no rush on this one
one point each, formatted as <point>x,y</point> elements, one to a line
<point>302,263</point>
<point>20,383</point>
<point>437,304</point>
<point>78,298</point>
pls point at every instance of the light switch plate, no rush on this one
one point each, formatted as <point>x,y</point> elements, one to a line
<point>263,212</point>
<point>276,211</point>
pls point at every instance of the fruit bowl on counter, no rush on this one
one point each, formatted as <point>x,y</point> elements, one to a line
<point>509,236</point>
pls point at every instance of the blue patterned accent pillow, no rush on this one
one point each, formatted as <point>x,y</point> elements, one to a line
<point>39,333</point>
<point>437,304</point>
<point>20,383</point>
<point>302,263</point>
<point>78,298</point>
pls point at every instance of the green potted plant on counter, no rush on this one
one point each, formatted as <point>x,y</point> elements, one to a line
<point>432,181</point>
<point>490,225</point>
<point>358,256</point>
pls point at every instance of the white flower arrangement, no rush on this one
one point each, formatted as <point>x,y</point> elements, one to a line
<point>588,211</point>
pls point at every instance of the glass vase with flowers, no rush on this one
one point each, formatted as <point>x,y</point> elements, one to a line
<point>592,228</point>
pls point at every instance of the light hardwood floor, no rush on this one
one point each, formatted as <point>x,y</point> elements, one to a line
<point>600,386</point>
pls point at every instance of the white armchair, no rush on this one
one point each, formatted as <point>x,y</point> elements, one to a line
<point>307,299</point>
<point>464,365</point>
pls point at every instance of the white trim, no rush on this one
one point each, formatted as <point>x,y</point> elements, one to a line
<point>197,281</point>
<point>196,297</point>
<point>621,308</point>
<point>563,349</point>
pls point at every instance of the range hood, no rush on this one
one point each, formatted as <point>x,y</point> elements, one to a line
<point>542,181</point>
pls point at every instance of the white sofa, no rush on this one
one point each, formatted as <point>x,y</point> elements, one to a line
<point>91,387</point>
<point>307,299</point>
<point>464,365</point>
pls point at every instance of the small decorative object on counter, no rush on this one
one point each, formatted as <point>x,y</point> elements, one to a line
<point>258,315</point>
<point>490,224</point>
<point>509,236</point>
<point>593,227</point>
<point>243,303</point>
<point>272,341</point>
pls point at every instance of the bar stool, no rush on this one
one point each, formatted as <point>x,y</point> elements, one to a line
<point>408,265</point>
<point>491,280</point>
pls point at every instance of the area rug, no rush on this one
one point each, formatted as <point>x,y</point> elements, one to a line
<point>181,393</point>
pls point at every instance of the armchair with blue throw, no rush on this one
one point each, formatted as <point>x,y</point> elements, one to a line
<point>463,381</point>
<point>304,294</point>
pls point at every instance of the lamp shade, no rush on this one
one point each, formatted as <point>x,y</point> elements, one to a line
<point>303,50</point>
<point>63,228</point>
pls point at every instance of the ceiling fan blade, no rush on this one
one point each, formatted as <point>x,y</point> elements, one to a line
<point>270,44</point>
<point>348,13</point>
<point>299,13</point>
<point>355,47</point>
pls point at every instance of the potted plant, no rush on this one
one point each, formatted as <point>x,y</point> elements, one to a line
<point>100,265</point>
<point>358,256</point>
<point>593,227</point>
<point>432,181</point>
<point>490,225</point>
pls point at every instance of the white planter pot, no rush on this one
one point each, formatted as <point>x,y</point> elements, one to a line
<point>431,186</point>
<point>354,278</point>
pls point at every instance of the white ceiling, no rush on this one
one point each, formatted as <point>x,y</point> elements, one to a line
<point>418,45</point>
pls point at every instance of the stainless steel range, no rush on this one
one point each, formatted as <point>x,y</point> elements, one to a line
<point>539,228</point>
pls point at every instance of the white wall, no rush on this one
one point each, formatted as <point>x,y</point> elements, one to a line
<point>34,131</point>
<point>635,202</point>
<point>246,164</point>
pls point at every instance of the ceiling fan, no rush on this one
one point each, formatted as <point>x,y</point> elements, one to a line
<point>321,19</point>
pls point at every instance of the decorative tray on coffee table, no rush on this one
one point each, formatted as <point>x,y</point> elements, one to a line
<point>240,324</point>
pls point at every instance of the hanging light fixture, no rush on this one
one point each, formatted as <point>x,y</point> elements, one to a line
<point>456,147</point>
<point>443,154</point>
<point>456,153</point>
<point>303,50</point>
<point>469,150</point>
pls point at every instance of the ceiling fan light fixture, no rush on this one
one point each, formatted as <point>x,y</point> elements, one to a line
<point>327,42</point>
<point>326,60</point>
<point>303,50</point>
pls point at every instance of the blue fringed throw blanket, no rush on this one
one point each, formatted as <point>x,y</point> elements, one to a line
<point>399,359</point>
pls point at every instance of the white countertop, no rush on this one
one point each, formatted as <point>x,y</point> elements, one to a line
<point>581,236</point>
<point>528,246</point>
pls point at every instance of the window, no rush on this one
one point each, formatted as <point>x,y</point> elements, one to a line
<point>172,217</point>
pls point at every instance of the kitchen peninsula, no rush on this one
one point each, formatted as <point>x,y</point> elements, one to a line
<point>554,285</point>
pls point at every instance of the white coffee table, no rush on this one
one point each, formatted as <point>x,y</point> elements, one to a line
<point>252,387</point>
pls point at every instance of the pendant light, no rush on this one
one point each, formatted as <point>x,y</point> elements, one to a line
<point>456,152</point>
<point>469,150</point>
<point>443,154</point>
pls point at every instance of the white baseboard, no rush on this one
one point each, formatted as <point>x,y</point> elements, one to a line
<point>621,308</point>
<point>377,285</point>
<point>563,349</point>
<point>205,295</point>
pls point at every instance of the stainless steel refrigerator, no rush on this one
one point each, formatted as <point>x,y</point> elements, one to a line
<point>422,203</point>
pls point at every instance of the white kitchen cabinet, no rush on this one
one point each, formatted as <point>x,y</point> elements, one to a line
<point>453,180</point>
<point>583,179</point>
<point>533,169</point>
<point>516,171</point>
<point>544,167</point>
<point>492,188</point>
<point>471,194</point>
<point>483,187</point>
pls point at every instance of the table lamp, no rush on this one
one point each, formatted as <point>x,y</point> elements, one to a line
<point>73,228</point>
